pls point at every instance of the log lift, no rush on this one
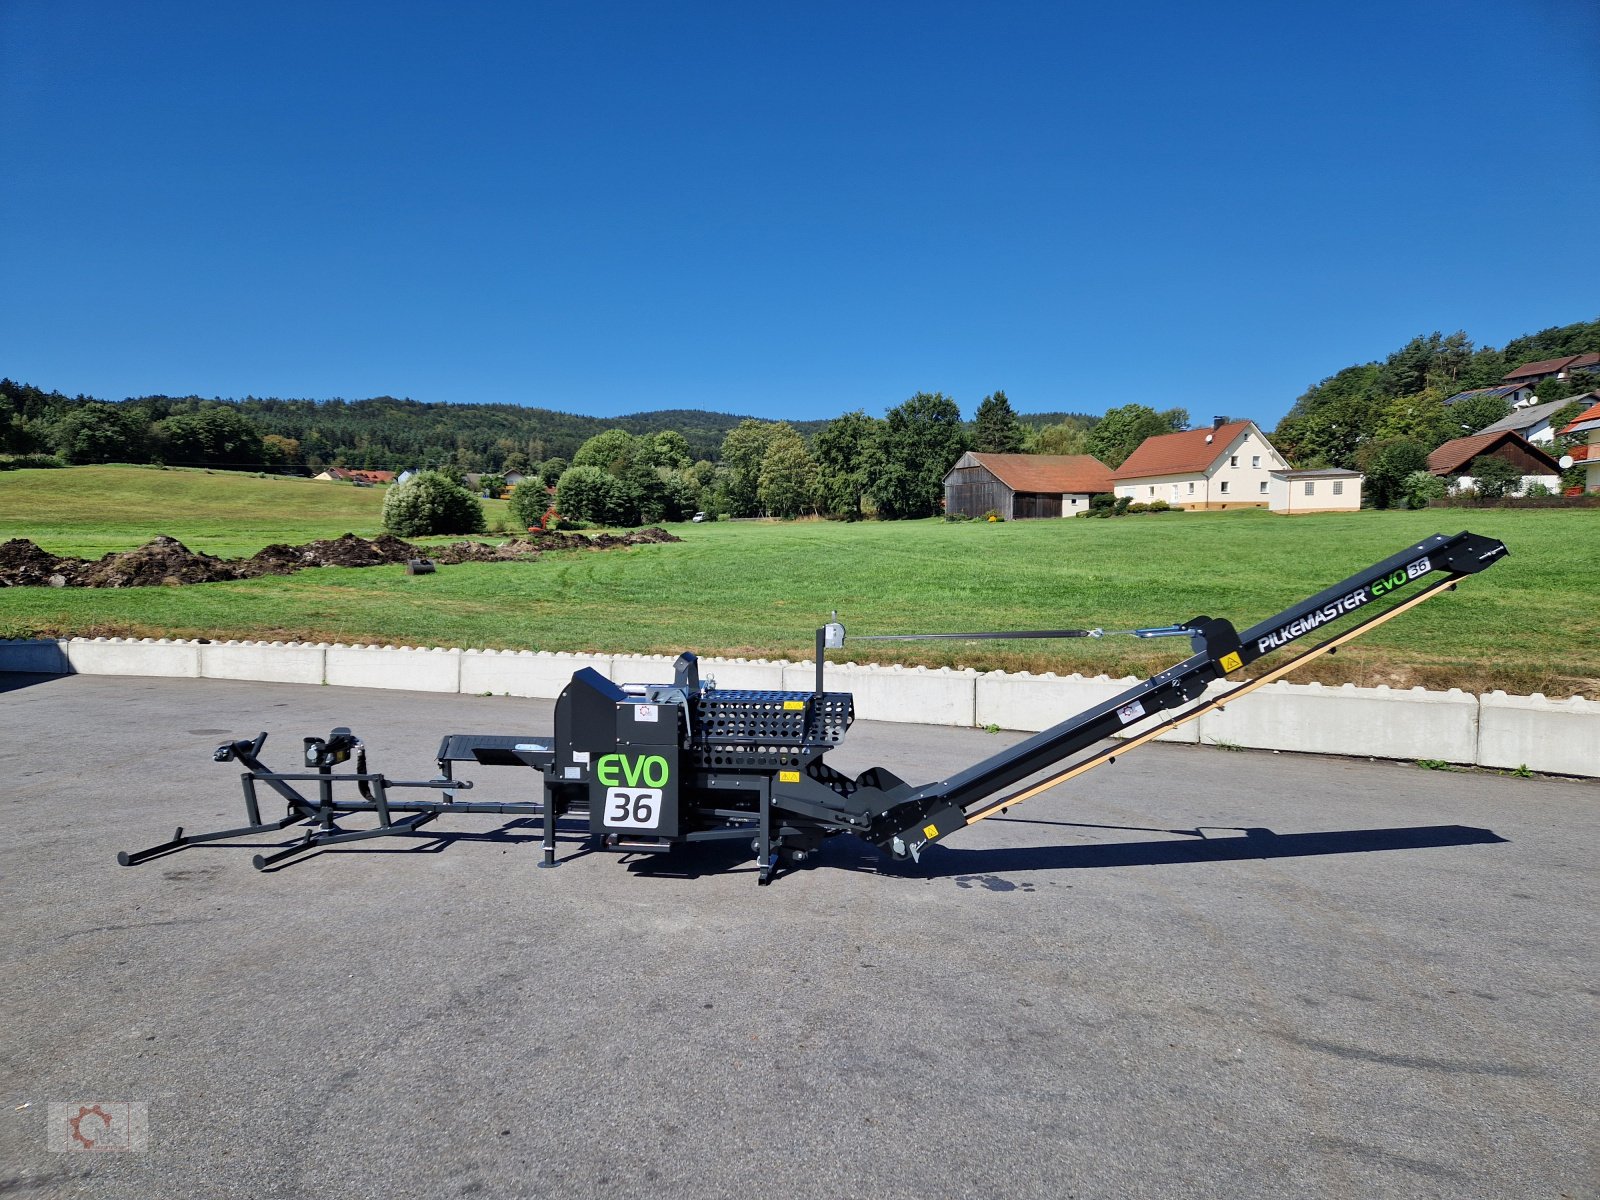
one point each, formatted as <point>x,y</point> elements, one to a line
<point>654,765</point>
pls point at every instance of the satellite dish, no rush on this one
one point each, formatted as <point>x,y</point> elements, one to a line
<point>1566,462</point>
<point>1208,439</point>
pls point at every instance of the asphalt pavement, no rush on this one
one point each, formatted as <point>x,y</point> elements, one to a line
<point>1196,973</point>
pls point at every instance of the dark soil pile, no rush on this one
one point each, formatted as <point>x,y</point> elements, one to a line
<point>22,564</point>
<point>554,540</point>
<point>162,561</point>
<point>168,561</point>
<point>464,552</point>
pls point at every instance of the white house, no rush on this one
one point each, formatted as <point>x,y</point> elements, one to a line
<point>1328,489</point>
<point>1532,421</point>
<point>1588,422</point>
<point>1229,465</point>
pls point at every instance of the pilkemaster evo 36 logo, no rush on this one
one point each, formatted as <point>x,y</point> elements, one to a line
<point>1364,594</point>
<point>633,784</point>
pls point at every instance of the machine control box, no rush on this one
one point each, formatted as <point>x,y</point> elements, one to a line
<point>633,788</point>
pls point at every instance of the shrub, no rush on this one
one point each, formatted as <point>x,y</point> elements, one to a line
<point>36,461</point>
<point>1159,506</point>
<point>590,494</point>
<point>1122,505</point>
<point>1101,500</point>
<point>1420,487</point>
<point>1535,491</point>
<point>957,516</point>
<point>431,503</point>
<point>528,503</point>
<point>1495,477</point>
<point>993,515</point>
<point>1137,507</point>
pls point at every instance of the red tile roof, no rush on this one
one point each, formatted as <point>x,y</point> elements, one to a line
<point>1063,473</point>
<point>1453,457</point>
<point>1583,418</point>
<point>1551,366</point>
<point>1185,453</point>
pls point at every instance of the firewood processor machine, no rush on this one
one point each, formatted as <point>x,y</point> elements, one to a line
<point>649,767</point>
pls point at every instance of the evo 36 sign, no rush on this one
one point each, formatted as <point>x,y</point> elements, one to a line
<point>1364,594</point>
<point>635,790</point>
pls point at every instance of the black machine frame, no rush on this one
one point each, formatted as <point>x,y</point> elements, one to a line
<point>653,766</point>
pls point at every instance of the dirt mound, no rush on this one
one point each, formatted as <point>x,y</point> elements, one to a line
<point>465,552</point>
<point>168,561</point>
<point>554,540</point>
<point>165,560</point>
<point>22,564</point>
<point>352,551</point>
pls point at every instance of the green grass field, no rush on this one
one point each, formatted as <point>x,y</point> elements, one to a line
<point>754,589</point>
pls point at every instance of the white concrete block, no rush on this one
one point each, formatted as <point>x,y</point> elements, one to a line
<point>912,695</point>
<point>404,668</point>
<point>641,668</point>
<point>1378,722</point>
<point>272,662</point>
<point>1034,702</point>
<point>524,672</point>
<point>135,656</point>
<point>750,674</point>
<point>1559,736</point>
<point>38,656</point>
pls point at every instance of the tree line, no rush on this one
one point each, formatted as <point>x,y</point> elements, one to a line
<point>1383,418</point>
<point>1379,417</point>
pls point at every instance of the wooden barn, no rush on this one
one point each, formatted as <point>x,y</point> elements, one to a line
<point>1019,486</point>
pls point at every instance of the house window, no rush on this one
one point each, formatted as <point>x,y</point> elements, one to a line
<point>1223,487</point>
<point>1311,488</point>
<point>1152,490</point>
<point>1191,487</point>
<point>1233,460</point>
<point>1263,487</point>
<point>1255,462</point>
<point>1338,487</point>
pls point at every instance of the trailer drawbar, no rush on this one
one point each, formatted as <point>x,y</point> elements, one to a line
<point>648,767</point>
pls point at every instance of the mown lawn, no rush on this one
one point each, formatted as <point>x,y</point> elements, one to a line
<point>90,511</point>
<point>1527,624</point>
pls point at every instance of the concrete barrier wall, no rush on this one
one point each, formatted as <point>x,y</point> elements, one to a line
<point>1374,722</point>
<point>1493,730</point>
<point>404,668</point>
<point>1559,736</point>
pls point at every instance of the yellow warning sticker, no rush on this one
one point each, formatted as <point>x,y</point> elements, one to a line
<point>1230,662</point>
<point>794,705</point>
<point>788,776</point>
<point>931,831</point>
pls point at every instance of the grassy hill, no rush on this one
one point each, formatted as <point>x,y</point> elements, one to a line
<point>762,588</point>
<point>90,511</point>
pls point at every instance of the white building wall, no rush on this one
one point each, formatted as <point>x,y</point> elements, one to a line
<point>1243,474</point>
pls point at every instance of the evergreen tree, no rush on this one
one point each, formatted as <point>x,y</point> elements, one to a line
<point>996,429</point>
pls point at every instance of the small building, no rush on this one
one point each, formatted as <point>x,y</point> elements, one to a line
<point>1226,466</point>
<point>349,475</point>
<point>1452,460</point>
<point>1325,489</point>
<point>1533,421</point>
<point>1588,455</point>
<point>1513,394</point>
<point>1548,368</point>
<point>1020,486</point>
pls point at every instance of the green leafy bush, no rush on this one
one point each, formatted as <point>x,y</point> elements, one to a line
<point>1159,506</point>
<point>1419,487</point>
<point>20,461</point>
<point>590,494</point>
<point>431,503</point>
<point>529,502</point>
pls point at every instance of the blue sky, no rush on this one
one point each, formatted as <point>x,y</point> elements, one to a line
<point>785,210</point>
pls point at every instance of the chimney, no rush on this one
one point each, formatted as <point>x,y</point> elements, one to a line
<point>1218,422</point>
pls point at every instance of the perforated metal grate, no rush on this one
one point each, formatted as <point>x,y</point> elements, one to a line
<point>767,729</point>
